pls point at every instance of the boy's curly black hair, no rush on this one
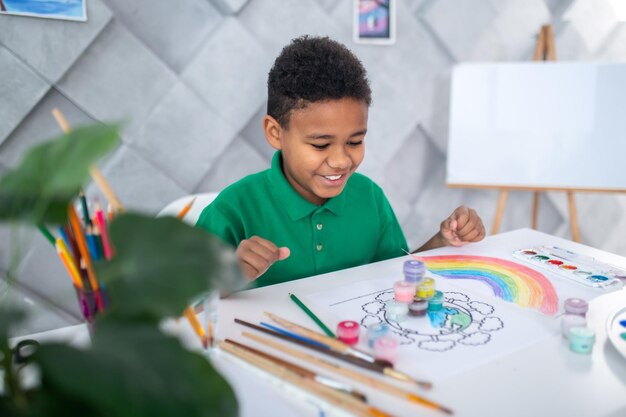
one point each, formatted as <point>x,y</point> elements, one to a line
<point>312,69</point>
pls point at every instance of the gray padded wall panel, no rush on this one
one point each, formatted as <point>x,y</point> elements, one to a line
<point>188,78</point>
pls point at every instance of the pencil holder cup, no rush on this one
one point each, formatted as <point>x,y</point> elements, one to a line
<point>87,304</point>
<point>88,307</point>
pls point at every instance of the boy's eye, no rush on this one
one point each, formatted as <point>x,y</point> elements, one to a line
<point>320,146</point>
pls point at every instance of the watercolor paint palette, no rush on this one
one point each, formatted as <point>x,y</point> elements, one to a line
<point>578,268</point>
<point>616,330</point>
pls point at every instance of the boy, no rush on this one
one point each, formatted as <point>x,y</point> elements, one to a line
<point>310,213</point>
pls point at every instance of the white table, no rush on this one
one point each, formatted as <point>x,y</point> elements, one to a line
<point>544,379</point>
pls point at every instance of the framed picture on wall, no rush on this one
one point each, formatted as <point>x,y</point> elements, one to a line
<point>374,21</point>
<point>50,9</point>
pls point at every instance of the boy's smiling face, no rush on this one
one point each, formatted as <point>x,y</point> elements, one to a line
<point>322,146</point>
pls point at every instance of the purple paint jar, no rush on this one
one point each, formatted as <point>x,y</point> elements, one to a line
<point>576,306</point>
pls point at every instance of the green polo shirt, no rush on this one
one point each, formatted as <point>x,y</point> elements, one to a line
<point>355,228</point>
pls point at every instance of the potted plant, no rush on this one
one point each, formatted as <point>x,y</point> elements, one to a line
<point>131,368</point>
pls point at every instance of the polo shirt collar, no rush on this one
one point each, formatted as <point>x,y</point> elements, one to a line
<point>297,206</point>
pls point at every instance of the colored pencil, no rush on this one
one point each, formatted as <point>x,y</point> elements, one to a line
<point>95,173</point>
<point>349,373</point>
<point>83,204</point>
<point>44,231</point>
<point>303,371</point>
<point>181,214</point>
<point>335,344</point>
<point>295,336</point>
<point>191,317</point>
<point>313,317</point>
<point>337,398</point>
<point>92,246</point>
<point>110,214</point>
<point>107,248</point>
<point>98,240</point>
<point>84,252</point>
<point>69,263</point>
<point>290,337</point>
<point>64,236</point>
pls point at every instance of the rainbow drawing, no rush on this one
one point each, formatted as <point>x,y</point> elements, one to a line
<point>508,280</point>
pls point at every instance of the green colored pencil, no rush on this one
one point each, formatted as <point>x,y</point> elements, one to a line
<point>309,313</point>
<point>44,230</point>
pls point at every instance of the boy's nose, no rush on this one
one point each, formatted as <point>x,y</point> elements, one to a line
<point>339,160</point>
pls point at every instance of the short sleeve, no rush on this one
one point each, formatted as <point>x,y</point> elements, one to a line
<point>216,219</point>
<point>392,242</point>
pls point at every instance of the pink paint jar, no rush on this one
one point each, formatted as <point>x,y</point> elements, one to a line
<point>386,348</point>
<point>348,332</point>
<point>404,291</point>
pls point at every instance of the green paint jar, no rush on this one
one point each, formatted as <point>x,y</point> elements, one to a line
<point>581,339</point>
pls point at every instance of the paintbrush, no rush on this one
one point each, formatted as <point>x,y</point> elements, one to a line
<point>332,343</point>
<point>318,347</point>
<point>373,366</point>
<point>349,373</point>
<point>329,382</point>
<point>337,398</point>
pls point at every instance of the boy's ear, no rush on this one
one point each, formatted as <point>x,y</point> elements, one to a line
<point>272,130</point>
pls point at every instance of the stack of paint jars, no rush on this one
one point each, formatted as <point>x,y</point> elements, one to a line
<point>404,291</point>
<point>415,295</point>
<point>574,326</point>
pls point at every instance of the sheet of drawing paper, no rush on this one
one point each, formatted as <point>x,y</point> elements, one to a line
<point>471,328</point>
<point>495,255</point>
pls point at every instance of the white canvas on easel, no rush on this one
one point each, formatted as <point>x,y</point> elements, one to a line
<point>538,125</point>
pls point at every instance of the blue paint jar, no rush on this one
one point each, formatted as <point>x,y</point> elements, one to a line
<point>376,331</point>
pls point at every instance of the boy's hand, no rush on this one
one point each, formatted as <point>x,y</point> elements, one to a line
<point>463,226</point>
<point>256,255</point>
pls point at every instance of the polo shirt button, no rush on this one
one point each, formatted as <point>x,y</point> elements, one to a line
<point>319,247</point>
<point>319,226</point>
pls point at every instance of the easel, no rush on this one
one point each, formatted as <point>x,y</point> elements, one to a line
<point>544,51</point>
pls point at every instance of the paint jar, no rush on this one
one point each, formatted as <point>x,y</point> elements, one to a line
<point>436,302</point>
<point>413,270</point>
<point>418,307</point>
<point>386,348</point>
<point>581,339</point>
<point>426,288</point>
<point>376,331</point>
<point>576,306</point>
<point>571,320</point>
<point>404,291</point>
<point>348,332</point>
<point>396,311</point>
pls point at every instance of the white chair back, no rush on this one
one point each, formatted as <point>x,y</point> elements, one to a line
<point>202,200</point>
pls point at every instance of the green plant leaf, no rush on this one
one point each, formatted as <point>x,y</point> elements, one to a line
<point>9,317</point>
<point>51,174</point>
<point>136,371</point>
<point>161,265</point>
